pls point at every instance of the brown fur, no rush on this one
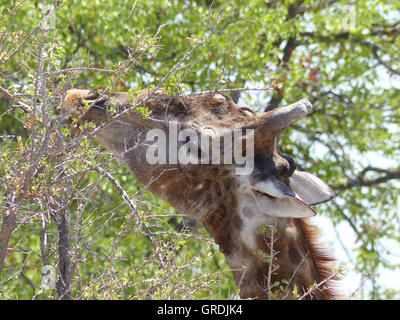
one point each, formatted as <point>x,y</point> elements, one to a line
<point>225,227</point>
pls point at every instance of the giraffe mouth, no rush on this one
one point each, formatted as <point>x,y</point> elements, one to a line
<point>285,206</point>
<point>294,199</point>
<point>264,194</point>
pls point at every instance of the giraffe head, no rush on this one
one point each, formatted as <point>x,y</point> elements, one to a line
<point>181,150</point>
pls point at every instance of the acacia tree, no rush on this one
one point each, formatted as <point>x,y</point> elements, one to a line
<point>69,208</point>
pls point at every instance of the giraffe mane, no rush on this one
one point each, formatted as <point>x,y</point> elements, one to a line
<point>323,259</point>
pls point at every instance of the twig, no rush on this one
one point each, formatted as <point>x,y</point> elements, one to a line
<point>78,69</point>
<point>271,257</point>
<point>294,273</point>
<point>18,103</point>
<point>187,55</point>
<point>8,225</point>
<point>133,208</point>
<point>23,43</point>
<point>313,288</point>
<point>231,90</point>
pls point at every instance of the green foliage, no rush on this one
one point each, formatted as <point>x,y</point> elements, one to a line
<point>343,57</point>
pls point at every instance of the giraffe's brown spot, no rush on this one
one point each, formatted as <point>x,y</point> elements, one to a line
<point>294,254</point>
<point>237,222</point>
<point>227,184</point>
<point>216,224</point>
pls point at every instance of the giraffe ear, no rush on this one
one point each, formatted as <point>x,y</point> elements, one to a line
<point>309,188</point>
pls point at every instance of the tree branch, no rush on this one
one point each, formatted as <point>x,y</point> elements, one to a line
<point>291,44</point>
<point>8,225</point>
<point>361,181</point>
<point>348,36</point>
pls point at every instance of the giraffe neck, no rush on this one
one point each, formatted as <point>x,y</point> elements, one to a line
<point>270,258</point>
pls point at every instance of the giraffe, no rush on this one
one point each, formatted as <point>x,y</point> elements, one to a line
<point>260,220</point>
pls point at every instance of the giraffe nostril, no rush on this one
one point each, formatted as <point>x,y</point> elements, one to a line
<point>292,165</point>
<point>283,170</point>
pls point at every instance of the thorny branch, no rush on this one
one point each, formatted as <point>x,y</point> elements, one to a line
<point>320,284</point>
<point>134,210</point>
